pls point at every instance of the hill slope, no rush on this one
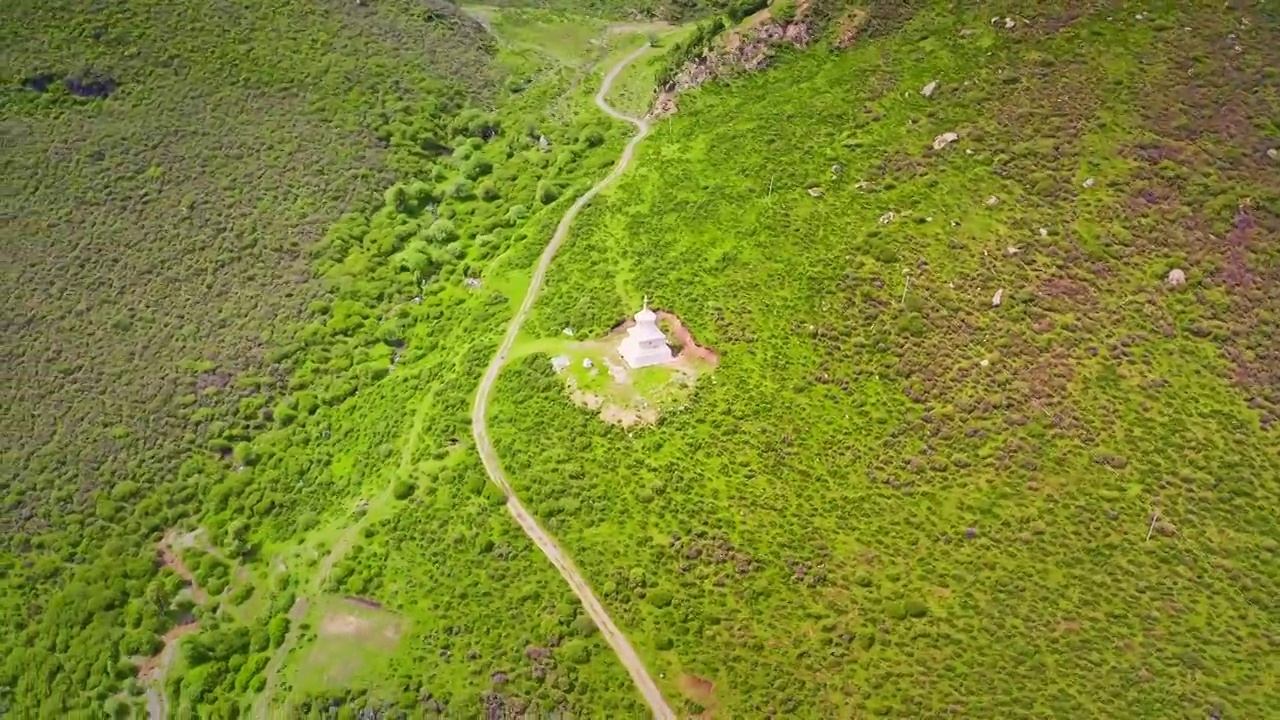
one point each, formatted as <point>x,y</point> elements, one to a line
<point>198,334</point>
<point>901,496</point>
<point>894,497</point>
<point>170,222</point>
<point>170,167</point>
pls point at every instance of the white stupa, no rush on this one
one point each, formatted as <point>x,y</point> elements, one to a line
<point>645,344</point>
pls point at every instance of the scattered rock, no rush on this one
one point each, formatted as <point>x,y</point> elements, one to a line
<point>816,192</point>
<point>665,105</point>
<point>1139,16</point>
<point>472,283</point>
<point>971,532</point>
<point>927,91</point>
<point>888,217</point>
<point>1009,22</point>
<point>1274,154</point>
<point>499,678</point>
<point>1176,278</point>
<point>568,331</point>
<point>544,144</point>
<point>967,32</point>
<point>1044,232</point>
<point>993,201</point>
<point>560,363</point>
<point>1088,183</point>
<point>586,363</point>
<point>998,298</point>
<point>984,362</point>
<point>836,170</point>
<point>944,140</point>
<point>1012,250</point>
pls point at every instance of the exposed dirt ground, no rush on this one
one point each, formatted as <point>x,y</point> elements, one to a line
<point>701,691</point>
<point>688,345</point>
<point>343,624</point>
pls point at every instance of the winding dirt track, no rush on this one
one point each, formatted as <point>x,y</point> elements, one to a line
<point>480,430</point>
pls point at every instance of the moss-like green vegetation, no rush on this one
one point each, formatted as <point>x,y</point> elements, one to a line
<point>261,253</point>
<point>898,499</point>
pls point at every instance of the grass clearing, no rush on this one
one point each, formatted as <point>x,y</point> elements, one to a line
<point>597,378</point>
<point>566,38</point>
<point>353,642</point>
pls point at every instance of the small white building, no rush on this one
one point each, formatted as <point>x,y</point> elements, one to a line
<point>645,344</point>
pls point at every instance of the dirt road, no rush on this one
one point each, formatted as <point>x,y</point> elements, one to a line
<point>480,430</point>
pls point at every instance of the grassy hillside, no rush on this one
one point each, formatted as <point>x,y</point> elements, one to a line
<point>157,241</point>
<point>896,497</point>
<point>168,224</point>
<point>261,253</point>
<point>238,301</point>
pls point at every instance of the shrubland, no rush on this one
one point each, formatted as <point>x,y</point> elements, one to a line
<point>262,253</point>
<point>235,277</point>
<point>897,496</point>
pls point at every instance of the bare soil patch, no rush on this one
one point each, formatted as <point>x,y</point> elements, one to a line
<point>342,624</point>
<point>688,345</point>
<point>350,625</point>
<point>161,660</point>
<point>701,691</point>
<point>850,26</point>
